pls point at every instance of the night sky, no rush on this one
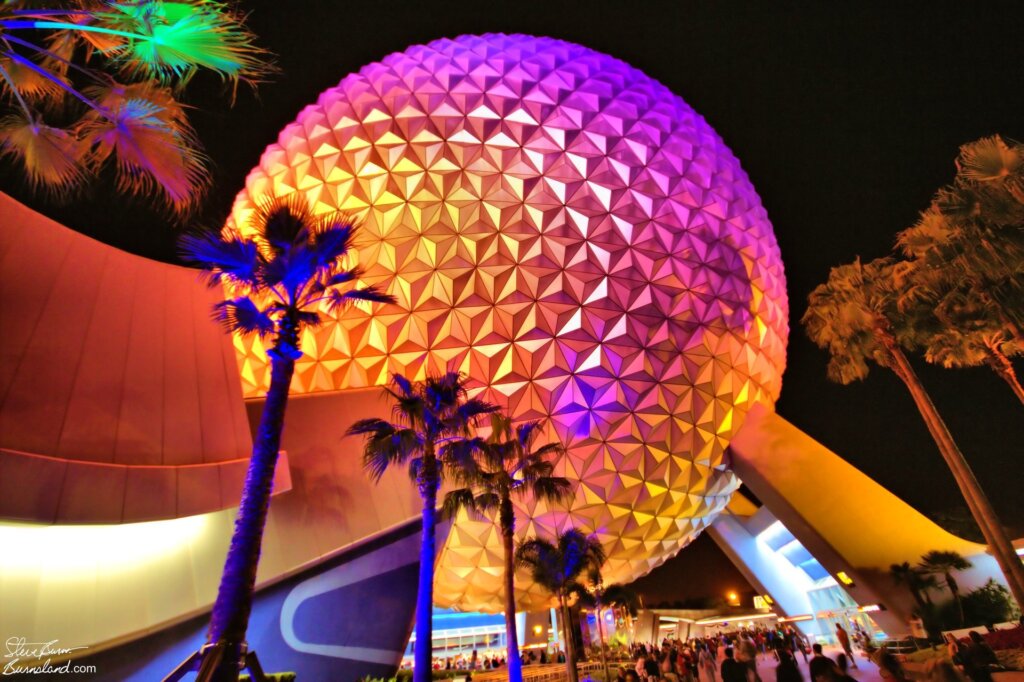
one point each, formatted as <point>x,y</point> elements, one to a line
<point>846,116</point>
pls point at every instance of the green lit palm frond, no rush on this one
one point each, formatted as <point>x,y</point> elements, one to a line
<point>59,59</point>
<point>170,40</point>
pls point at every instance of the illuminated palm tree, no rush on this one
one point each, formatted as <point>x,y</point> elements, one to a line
<point>558,567</point>
<point>431,436</point>
<point>966,262</point>
<point>854,316</point>
<point>944,563</point>
<point>957,322</point>
<point>507,465</point>
<point>110,74</point>
<point>599,597</point>
<point>285,268</point>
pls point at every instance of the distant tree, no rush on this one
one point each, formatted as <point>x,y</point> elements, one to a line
<point>282,275</point>
<point>433,424</point>
<point>988,605</point>
<point>494,470</point>
<point>87,82</point>
<point>944,563</point>
<point>558,567</point>
<point>855,316</point>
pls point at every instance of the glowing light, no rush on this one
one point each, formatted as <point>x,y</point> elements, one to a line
<point>537,629</point>
<point>796,619</point>
<point>753,617</point>
<point>69,551</point>
<point>844,579</point>
<point>580,243</point>
<point>871,608</point>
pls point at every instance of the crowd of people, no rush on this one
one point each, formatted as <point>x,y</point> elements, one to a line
<point>491,660</point>
<point>732,657</point>
<point>729,657</point>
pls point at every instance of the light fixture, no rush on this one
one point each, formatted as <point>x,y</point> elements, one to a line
<point>870,608</point>
<point>844,579</point>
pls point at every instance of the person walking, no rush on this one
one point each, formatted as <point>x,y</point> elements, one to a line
<point>844,641</point>
<point>733,670</point>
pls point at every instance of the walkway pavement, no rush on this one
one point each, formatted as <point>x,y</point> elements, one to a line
<point>866,671</point>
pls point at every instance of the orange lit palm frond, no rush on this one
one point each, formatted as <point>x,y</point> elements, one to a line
<point>148,134</point>
<point>52,157</point>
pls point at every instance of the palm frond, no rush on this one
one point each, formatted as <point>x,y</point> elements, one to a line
<point>282,221</point>
<point>230,258</point>
<point>459,499</point>
<point>52,157</point>
<point>242,315</point>
<point>332,239</point>
<point>32,84</point>
<point>989,159</point>
<point>172,39</point>
<point>155,148</point>
<point>552,489</point>
<point>337,299</point>
<point>386,445</point>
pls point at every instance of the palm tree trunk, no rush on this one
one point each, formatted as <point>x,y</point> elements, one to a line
<point>423,654</point>
<point>508,528</point>
<point>570,643</point>
<point>995,536</point>
<point>1002,366</point>
<point>231,610</point>
<point>954,589</point>
<point>600,642</point>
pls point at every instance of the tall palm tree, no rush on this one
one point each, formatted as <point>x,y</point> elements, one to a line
<point>943,563</point>
<point>508,466</point>
<point>854,316</point>
<point>431,435</point>
<point>282,276</point>
<point>85,82</point>
<point>959,323</point>
<point>558,567</point>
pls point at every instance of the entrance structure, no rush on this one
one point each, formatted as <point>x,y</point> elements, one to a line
<point>823,541</point>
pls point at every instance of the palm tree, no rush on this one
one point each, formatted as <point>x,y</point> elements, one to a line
<point>508,466</point>
<point>942,563</point>
<point>916,581</point>
<point>854,316</point>
<point>111,72</point>
<point>557,567</point>
<point>599,597</point>
<point>431,436</point>
<point>918,584</point>
<point>958,323</point>
<point>290,268</point>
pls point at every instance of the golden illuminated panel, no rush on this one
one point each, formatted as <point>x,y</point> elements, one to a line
<point>576,239</point>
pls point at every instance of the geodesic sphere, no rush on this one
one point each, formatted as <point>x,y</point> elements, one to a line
<point>576,239</point>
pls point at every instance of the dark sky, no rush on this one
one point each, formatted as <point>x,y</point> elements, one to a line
<point>847,117</point>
